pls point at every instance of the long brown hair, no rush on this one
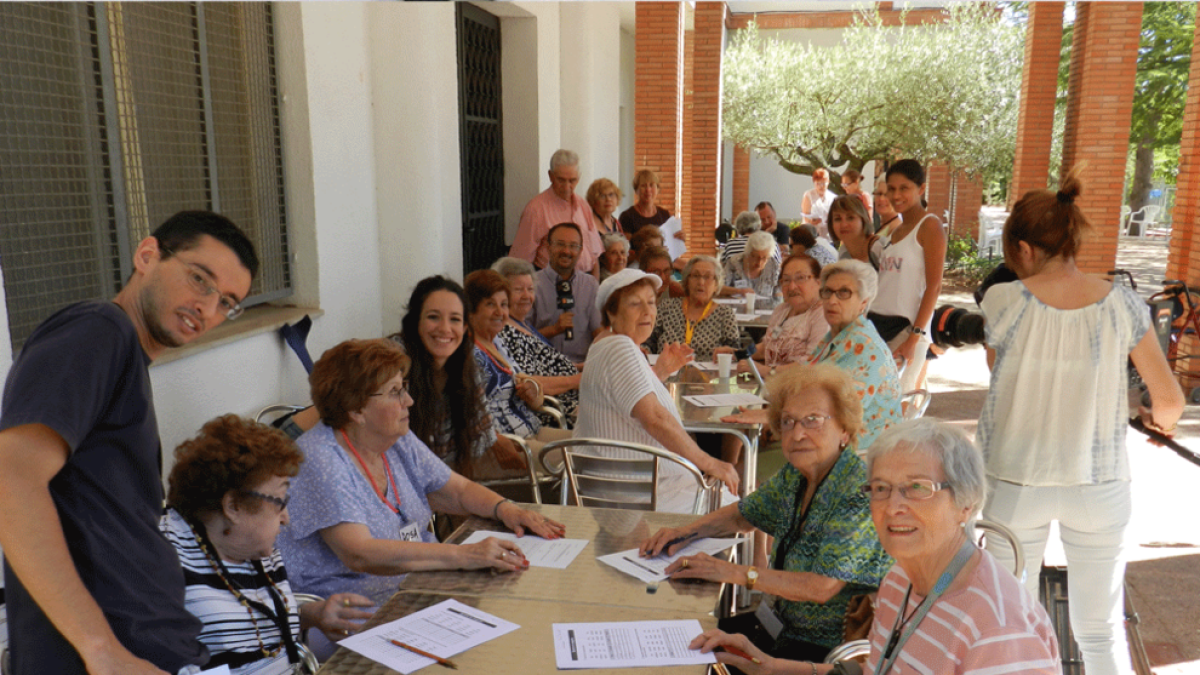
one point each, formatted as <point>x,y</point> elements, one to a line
<point>461,402</point>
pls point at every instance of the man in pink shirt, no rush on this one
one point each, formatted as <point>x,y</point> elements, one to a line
<point>558,204</point>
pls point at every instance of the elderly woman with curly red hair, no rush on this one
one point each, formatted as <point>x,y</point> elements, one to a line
<point>368,488</point>
<point>228,497</point>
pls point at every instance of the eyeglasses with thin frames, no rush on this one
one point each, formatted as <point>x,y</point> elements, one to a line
<point>798,279</point>
<point>566,246</point>
<point>200,282</point>
<point>918,489</point>
<point>812,422</point>
<point>277,501</point>
<point>396,393</point>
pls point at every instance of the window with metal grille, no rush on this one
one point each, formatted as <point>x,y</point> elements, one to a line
<point>114,116</point>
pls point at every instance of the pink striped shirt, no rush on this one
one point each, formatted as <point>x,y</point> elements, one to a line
<point>992,626</point>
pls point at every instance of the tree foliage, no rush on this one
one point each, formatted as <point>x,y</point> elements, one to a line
<point>946,91</point>
<point>1164,59</point>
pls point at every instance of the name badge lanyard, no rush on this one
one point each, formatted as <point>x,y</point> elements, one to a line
<point>689,327</point>
<point>387,468</point>
<point>898,638</point>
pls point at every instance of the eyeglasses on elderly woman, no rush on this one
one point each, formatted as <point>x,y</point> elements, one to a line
<point>842,293</point>
<point>918,489</point>
<point>277,501</point>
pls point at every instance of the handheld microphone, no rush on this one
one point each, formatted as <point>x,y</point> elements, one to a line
<point>566,302</point>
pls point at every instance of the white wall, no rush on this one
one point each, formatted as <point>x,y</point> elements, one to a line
<point>590,82</point>
<point>414,82</point>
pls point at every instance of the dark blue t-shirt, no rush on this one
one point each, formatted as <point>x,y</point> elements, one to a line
<point>84,374</point>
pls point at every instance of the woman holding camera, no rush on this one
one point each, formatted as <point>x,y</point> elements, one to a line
<point>1053,426</point>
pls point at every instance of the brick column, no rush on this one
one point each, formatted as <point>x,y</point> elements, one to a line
<point>968,198</point>
<point>684,200</point>
<point>938,184</point>
<point>1183,260</point>
<point>703,173</point>
<point>658,96</point>
<point>1039,85</point>
<point>1099,109</point>
<point>741,181</point>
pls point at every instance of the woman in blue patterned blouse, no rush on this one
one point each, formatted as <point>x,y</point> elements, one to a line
<point>826,549</point>
<point>853,344</point>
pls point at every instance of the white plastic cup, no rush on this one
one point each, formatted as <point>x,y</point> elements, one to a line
<point>750,302</point>
<point>724,365</point>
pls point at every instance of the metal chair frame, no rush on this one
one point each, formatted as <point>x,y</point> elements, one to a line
<point>915,403</point>
<point>624,477</point>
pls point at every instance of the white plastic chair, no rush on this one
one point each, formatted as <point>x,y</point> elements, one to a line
<point>621,483</point>
<point>1143,219</point>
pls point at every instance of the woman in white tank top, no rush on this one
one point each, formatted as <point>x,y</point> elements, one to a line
<point>910,268</point>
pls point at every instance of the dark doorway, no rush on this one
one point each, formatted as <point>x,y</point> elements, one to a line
<point>480,138</point>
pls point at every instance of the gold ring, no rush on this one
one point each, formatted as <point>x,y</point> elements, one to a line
<point>346,631</point>
<point>684,564</point>
<point>345,602</point>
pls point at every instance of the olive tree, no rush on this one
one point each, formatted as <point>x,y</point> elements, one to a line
<point>945,91</point>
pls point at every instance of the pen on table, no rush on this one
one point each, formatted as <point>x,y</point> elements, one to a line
<point>445,662</point>
<point>737,652</point>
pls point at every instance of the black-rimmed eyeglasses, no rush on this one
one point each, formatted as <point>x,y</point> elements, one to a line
<point>277,501</point>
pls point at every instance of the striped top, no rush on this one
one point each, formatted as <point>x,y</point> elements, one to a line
<point>991,626</point>
<point>617,376</point>
<point>229,633</point>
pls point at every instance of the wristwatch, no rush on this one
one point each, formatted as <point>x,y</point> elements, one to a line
<point>916,331</point>
<point>751,578</point>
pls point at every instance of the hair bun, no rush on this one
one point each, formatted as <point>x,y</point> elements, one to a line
<point>1065,198</point>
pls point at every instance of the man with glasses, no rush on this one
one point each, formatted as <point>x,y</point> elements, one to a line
<point>91,584</point>
<point>557,204</point>
<point>564,303</point>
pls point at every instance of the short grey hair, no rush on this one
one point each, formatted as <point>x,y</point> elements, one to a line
<point>700,258</point>
<point>509,267</point>
<point>864,275</point>
<point>961,459</point>
<point>761,241</point>
<point>563,158</point>
<point>614,238</point>
<point>747,222</point>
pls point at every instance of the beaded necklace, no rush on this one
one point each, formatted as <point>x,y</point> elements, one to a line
<point>279,617</point>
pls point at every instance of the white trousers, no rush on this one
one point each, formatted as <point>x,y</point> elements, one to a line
<point>1092,520</point>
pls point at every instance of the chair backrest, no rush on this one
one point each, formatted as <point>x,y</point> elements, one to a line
<point>293,420</point>
<point>271,413</point>
<point>915,402</point>
<point>996,529</point>
<point>622,480</point>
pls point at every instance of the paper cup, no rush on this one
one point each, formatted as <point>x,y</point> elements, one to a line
<point>724,364</point>
<point>750,302</point>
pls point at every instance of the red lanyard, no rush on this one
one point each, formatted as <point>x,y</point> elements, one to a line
<point>387,468</point>
<point>504,368</point>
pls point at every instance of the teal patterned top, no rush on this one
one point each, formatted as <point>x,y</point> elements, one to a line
<point>859,350</point>
<point>837,540</point>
